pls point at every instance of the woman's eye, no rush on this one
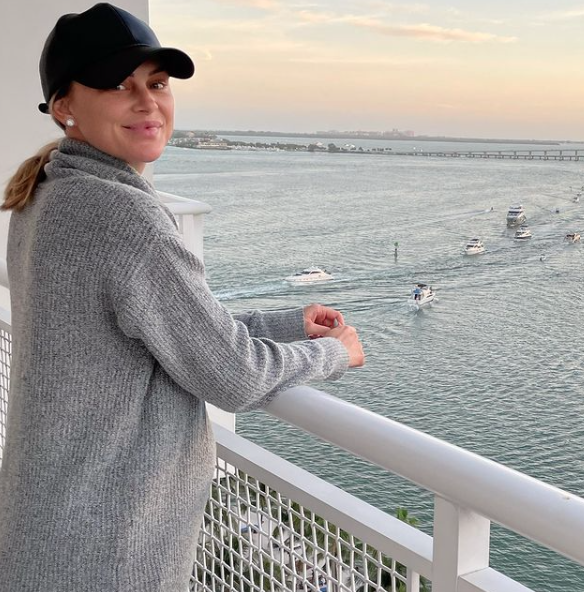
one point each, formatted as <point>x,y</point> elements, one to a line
<point>159,85</point>
<point>120,87</point>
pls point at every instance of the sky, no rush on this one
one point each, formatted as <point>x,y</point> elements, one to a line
<point>472,68</point>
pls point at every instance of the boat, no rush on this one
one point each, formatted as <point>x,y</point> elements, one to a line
<point>309,275</point>
<point>515,215</point>
<point>523,233</point>
<point>421,295</point>
<point>572,237</point>
<point>474,246</point>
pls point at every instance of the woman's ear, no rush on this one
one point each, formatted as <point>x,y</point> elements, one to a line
<point>60,110</point>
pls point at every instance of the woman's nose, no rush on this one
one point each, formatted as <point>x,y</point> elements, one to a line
<point>145,100</point>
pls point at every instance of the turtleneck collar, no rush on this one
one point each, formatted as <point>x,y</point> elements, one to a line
<point>75,158</point>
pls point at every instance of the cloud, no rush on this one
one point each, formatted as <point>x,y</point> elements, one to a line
<point>421,31</point>
<point>260,49</point>
<point>426,32</point>
<point>309,16</point>
<point>263,4</point>
<point>369,61</point>
<point>257,46</point>
<point>189,26</point>
<point>564,15</point>
<point>381,6</point>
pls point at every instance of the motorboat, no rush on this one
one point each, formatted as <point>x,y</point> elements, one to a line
<point>421,295</point>
<point>474,246</point>
<point>572,237</point>
<point>309,275</point>
<point>523,233</point>
<point>516,215</point>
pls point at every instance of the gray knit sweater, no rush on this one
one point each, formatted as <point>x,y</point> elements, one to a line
<point>117,344</point>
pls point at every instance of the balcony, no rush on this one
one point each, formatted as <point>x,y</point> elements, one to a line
<point>271,525</point>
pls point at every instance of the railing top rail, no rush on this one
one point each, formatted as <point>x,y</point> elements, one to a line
<point>512,499</point>
<point>183,205</point>
<point>195,208</point>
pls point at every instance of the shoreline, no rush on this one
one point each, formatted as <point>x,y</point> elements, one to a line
<point>375,136</point>
<point>542,152</point>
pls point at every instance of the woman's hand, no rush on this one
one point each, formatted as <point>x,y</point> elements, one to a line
<point>322,321</point>
<point>347,335</point>
<point>319,320</point>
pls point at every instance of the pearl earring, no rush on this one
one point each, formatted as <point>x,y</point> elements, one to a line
<point>69,122</point>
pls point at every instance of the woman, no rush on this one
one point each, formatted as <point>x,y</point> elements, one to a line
<point>117,341</point>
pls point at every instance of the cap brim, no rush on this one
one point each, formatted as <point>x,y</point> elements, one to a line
<point>113,70</point>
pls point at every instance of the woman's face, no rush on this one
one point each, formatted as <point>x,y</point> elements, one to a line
<point>133,121</point>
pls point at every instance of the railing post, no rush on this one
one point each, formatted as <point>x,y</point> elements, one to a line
<point>461,544</point>
<point>192,231</point>
<point>413,583</point>
<point>4,290</point>
<point>189,216</point>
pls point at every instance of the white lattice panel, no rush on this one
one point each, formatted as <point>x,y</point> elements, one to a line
<point>253,539</point>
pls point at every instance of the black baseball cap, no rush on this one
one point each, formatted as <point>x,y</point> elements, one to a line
<point>100,48</point>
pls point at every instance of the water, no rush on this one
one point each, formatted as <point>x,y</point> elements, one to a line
<point>495,366</point>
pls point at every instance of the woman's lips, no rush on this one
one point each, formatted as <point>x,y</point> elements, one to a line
<point>145,128</point>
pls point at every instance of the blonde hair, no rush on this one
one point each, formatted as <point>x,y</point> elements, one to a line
<point>21,187</point>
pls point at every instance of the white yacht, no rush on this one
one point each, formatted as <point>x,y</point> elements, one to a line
<point>474,246</point>
<point>421,295</point>
<point>572,237</point>
<point>523,233</point>
<point>516,215</point>
<point>309,275</point>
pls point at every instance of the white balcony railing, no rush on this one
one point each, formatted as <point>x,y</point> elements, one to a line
<point>188,214</point>
<point>271,525</point>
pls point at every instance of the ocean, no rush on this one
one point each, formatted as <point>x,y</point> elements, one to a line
<point>495,365</point>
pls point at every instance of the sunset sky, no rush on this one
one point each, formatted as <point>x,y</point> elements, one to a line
<point>473,68</point>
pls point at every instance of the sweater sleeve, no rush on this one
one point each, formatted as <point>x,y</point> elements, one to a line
<point>166,303</point>
<point>280,325</point>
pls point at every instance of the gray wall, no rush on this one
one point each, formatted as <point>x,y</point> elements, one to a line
<point>25,26</point>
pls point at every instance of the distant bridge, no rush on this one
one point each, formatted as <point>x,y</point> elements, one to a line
<point>500,154</point>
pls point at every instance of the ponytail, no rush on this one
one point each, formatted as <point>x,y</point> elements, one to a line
<point>21,187</point>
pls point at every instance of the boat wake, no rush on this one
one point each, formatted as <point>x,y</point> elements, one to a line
<point>246,292</point>
<point>467,215</point>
